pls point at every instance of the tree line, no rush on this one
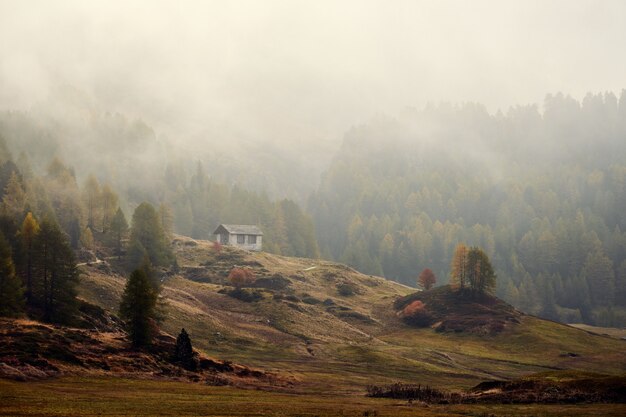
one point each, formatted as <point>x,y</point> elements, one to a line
<point>542,193</point>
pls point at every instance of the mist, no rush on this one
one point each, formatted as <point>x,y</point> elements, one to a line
<point>298,72</point>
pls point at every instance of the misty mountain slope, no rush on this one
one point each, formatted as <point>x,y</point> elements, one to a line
<point>542,193</point>
<point>304,328</point>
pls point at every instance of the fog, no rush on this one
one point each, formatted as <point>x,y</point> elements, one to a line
<point>302,71</point>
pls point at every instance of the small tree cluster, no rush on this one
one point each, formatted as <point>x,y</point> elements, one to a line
<point>416,314</point>
<point>472,269</point>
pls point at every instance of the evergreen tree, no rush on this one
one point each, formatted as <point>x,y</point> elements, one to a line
<point>147,232</point>
<point>92,196</point>
<point>14,200</point>
<point>119,228</point>
<point>138,308</point>
<point>28,234</point>
<point>55,275</point>
<point>184,351</point>
<point>11,291</point>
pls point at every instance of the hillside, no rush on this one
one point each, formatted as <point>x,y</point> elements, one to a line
<point>331,328</point>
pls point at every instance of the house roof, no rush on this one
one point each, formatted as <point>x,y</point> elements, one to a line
<point>239,229</point>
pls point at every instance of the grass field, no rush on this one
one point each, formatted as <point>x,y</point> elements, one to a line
<point>335,343</point>
<point>123,397</point>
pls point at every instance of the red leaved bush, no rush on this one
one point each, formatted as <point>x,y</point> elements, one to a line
<point>240,277</point>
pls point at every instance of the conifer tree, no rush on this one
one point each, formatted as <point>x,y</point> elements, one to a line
<point>55,275</point>
<point>14,199</point>
<point>147,232</point>
<point>138,308</point>
<point>184,351</point>
<point>458,269</point>
<point>480,273</point>
<point>28,234</point>
<point>11,291</point>
<point>119,228</point>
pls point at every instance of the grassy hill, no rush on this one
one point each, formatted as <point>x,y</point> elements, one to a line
<point>333,329</point>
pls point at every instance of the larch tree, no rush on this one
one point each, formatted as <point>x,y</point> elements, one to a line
<point>480,274</point>
<point>109,200</point>
<point>27,236</point>
<point>458,268</point>
<point>426,279</point>
<point>91,197</point>
<point>11,290</point>
<point>138,308</point>
<point>14,199</point>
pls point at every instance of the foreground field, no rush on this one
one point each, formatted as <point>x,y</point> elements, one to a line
<point>123,397</point>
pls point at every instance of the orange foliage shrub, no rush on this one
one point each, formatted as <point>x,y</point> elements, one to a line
<point>240,277</point>
<point>412,308</point>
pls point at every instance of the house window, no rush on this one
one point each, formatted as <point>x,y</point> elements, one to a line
<point>241,239</point>
<point>224,238</point>
<point>252,239</point>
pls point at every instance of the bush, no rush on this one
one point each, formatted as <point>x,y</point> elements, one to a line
<point>416,314</point>
<point>346,289</point>
<point>247,296</point>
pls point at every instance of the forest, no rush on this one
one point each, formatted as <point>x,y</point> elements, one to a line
<point>542,191</point>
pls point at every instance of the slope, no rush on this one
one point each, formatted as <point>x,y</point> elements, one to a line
<point>334,329</point>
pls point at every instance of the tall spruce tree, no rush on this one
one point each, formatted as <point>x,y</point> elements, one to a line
<point>147,233</point>
<point>11,290</point>
<point>28,234</point>
<point>55,275</point>
<point>138,308</point>
<point>119,228</point>
<point>184,351</point>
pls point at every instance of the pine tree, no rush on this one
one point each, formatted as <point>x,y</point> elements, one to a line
<point>92,196</point>
<point>11,291</point>
<point>138,308</point>
<point>14,200</point>
<point>28,234</point>
<point>55,275</point>
<point>119,228</point>
<point>184,351</point>
<point>148,232</point>
<point>109,201</point>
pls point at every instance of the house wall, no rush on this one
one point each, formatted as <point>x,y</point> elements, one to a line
<point>232,241</point>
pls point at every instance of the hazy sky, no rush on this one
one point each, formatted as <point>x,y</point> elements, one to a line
<point>306,69</point>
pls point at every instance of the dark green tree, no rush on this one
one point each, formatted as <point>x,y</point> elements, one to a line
<point>148,232</point>
<point>138,308</point>
<point>184,351</point>
<point>119,228</point>
<point>55,275</point>
<point>11,290</point>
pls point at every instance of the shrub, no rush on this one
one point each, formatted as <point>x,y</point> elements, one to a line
<point>346,289</point>
<point>247,296</point>
<point>240,277</point>
<point>416,314</point>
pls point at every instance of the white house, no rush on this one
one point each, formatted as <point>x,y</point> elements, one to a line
<point>240,235</point>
